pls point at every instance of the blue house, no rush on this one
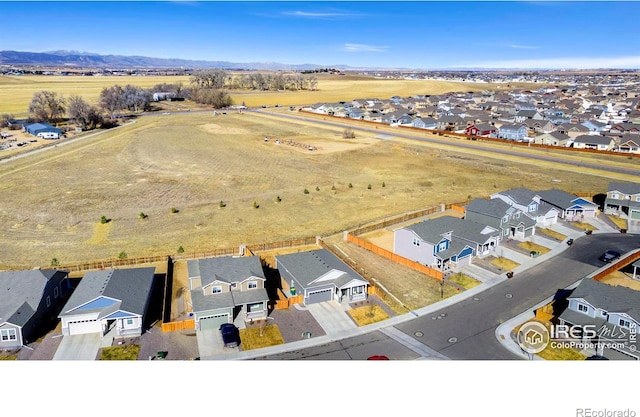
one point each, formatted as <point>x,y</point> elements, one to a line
<point>515,132</point>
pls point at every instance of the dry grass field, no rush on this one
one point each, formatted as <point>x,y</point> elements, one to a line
<point>53,201</point>
<point>16,92</point>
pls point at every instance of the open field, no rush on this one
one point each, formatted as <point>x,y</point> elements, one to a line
<point>16,92</point>
<point>53,201</point>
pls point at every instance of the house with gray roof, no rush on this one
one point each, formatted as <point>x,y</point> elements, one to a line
<point>29,303</point>
<point>528,202</point>
<point>495,213</point>
<point>320,276</point>
<point>612,312</point>
<point>446,242</point>
<point>553,139</point>
<point>623,198</point>
<point>629,145</point>
<point>515,132</point>
<point>227,288</point>
<point>111,300</point>
<point>601,143</point>
<point>569,206</point>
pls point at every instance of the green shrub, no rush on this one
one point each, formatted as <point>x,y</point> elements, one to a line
<point>222,204</point>
<point>174,210</point>
<point>104,220</point>
<point>278,199</point>
<point>55,262</point>
<point>142,215</point>
<point>369,186</point>
<point>350,185</point>
<point>180,249</point>
<point>306,191</point>
<point>122,255</point>
<point>317,188</point>
<point>255,204</point>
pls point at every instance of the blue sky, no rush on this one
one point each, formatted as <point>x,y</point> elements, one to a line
<point>413,34</point>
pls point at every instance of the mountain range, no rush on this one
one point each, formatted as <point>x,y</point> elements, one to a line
<point>75,59</point>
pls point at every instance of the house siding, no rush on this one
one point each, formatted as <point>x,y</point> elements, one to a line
<point>11,344</point>
<point>403,246</point>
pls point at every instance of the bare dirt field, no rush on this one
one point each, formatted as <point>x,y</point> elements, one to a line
<point>53,201</point>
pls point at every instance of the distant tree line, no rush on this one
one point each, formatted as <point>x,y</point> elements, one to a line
<point>278,81</point>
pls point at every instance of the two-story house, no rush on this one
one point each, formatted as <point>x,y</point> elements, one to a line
<point>569,206</point>
<point>515,132</point>
<point>495,213</point>
<point>30,301</point>
<point>528,202</point>
<point>445,242</point>
<point>227,288</point>
<point>623,198</point>
<point>612,312</point>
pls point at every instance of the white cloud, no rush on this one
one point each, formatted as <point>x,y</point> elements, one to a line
<point>357,47</point>
<point>625,62</point>
<point>518,46</point>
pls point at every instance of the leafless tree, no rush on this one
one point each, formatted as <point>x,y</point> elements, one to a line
<point>47,106</point>
<point>112,100</point>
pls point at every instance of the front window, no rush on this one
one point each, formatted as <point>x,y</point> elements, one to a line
<point>8,334</point>
<point>129,322</point>
<point>252,285</point>
<point>416,242</point>
<point>583,308</point>
<point>624,323</point>
<point>216,290</point>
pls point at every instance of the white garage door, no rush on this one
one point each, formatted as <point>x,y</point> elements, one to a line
<point>83,327</point>
<point>213,322</point>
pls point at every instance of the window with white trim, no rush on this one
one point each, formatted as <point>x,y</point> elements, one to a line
<point>234,285</point>
<point>442,246</point>
<point>252,284</point>
<point>416,242</point>
<point>8,334</point>
<point>216,290</point>
<point>624,323</point>
<point>129,322</point>
<point>583,308</point>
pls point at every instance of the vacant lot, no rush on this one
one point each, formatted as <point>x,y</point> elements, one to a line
<point>53,201</point>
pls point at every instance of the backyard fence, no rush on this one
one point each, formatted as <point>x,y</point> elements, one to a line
<point>111,263</point>
<point>433,273</point>
<point>178,325</point>
<point>616,266</point>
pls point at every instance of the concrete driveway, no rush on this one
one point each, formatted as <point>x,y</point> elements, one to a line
<point>80,347</point>
<point>210,344</point>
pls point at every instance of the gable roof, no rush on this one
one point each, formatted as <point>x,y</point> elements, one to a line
<point>493,208</point>
<point>593,139</point>
<point>625,188</point>
<point>226,269</point>
<point>130,288</point>
<point>307,267</point>
<point>21,293</point>
<point>522,196</point>
<point>608,297</point>
<point>433,229</point>
<point>560,198</point>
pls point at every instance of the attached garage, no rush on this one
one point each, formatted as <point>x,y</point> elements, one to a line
<point>84,327</point>
<point>213,322</point>
<point>319,296</point>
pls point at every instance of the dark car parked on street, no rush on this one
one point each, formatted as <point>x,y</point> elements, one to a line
<point>610,256</point>
<point>230,335</point>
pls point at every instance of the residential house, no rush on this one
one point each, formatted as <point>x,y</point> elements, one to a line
<point>595,126</point>
<point>227,288</point>
<point>320,276</point>
<point>109,300</point>
<point>611,312</point>
<point>482,129</point>
<point>495,213</point>
<point>570,207</point>
<point>425,123</point>
<point>553,139</point>
<point>600,143</point>
<point>629,145</point>
<point>29,302</point>
<point>534,126</point>
<point>623,198</point>
<point>625,128</point>
<point>515,132</point>
<point>572,129</point>
<point>523,115</point>
<point>528,202</point>
<point>451,123</point>
<point>445,242</point>
<point>44,130</point>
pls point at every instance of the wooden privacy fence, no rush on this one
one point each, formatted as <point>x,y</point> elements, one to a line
<point>395,220</point>
<point>433,273</point>
<point>112,263</point>
<point>178,325</point>
<point>292,243</point>
<point>283,303</point>
<point>207,254</point>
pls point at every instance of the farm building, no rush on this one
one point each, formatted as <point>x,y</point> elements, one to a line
<point>43,130</point>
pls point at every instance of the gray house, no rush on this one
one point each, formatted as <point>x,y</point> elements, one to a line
<point>29,302</point>
<point>601,143</point>
<point>623,198</point>
<point>528,202</point>
<point>109,300</point>
<point>445,242</point>
<point>225,288</point>
<point>613,312</point>
<point>320,276</point>
<point>515,132</point>
<point>569,206</point>
<point>495,213</point>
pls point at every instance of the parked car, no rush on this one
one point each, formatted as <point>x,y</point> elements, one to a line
<point>610,256</point>
<point>230,335</point>
<point>569,242</point>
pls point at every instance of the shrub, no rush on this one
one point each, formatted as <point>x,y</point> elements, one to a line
<point>174,210</point>
<point>142,215</point>
<point>317,188</point>
<point>255,204</point>
<point>369,187</point>
<point>383,184</point>
<point>350,185</point>
<point>180,249</point>
<point>222,204</point>
<point>306,191</point>
<point>348,134</point>
<point>122,255</point>
<point>333,188</point>
<point>104,220</point>
<point>278,199</point>
<point>54,262</point>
